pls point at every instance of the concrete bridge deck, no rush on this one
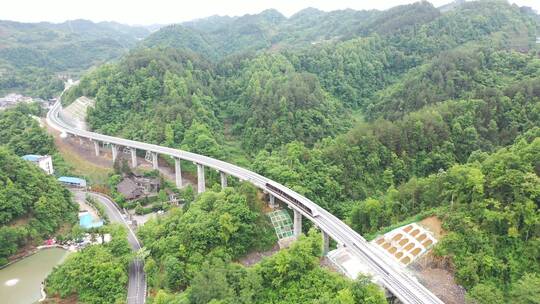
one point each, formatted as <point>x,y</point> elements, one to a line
<point>388,273</point>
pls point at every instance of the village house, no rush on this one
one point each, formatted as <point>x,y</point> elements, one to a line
<point>135,186</point>
<point>42,161</point>
<point>129,189</point>
<point>73,182</point>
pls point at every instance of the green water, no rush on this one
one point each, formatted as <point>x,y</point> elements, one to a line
<point>20,283</point>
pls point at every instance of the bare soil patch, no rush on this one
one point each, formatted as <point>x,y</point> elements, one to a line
<point>83,160</point>
<point>328,264</point>
<point>57,300</point>
<point>256,256</point>
<point>24,251</point>
<point>433,224</point>
<point>436,273</point>
<point>21,221</point>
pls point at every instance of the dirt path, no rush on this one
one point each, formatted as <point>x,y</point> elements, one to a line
<point>80,198</point>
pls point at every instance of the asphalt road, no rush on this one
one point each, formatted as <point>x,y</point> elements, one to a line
<point>392,275</point>
<point>137,279</point>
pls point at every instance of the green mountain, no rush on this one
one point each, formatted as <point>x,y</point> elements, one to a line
<point>33,54</point>
<point>378,116</point>
<point>33,205</point>
<point>271,30</point>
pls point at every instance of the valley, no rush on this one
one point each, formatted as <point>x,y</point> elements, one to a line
<point>346,156</point>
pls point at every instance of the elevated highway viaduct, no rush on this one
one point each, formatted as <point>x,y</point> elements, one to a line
<point>386,272</point>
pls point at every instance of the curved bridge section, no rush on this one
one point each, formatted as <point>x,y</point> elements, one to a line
<point>393,276</point>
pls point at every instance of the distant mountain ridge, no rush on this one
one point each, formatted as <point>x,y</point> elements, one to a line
<point>32,54</point>
<point>450,6</point>
<point>224,35</point>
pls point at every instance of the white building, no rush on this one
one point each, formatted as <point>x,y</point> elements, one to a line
<point>42,161</point>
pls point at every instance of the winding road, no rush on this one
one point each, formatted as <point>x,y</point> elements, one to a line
<point>387,272</point>
<point>137,278</point>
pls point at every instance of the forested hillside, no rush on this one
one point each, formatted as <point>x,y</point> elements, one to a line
<point>96,274</point>
<point>33,54</point>
<point>33,205</point>
<point>490,206</point>
<point>194,251</point>
<point>21,133</point>
<point>378,116</point>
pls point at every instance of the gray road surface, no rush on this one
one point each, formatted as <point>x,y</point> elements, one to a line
<point>387,272</point>
<point>137,278</point>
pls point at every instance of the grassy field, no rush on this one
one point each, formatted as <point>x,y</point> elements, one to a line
<point>95,174</point>
<point>79,161</point>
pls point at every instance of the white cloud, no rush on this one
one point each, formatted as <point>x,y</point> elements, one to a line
<point>170,11</point>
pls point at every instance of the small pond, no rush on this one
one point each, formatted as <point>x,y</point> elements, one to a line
<point>20,283</point>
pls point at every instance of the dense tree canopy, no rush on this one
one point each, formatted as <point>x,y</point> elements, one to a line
<point>461,73</point>
<point>291,275</point>
<point>490,206</point>
<point>277,105</point>
<point>22,134</point>
<point>97,274</point>
<point>33,54</point>
<point>192,252</point>
<point>378,116</point>
<point>33,205</point>
<point>222,225</point>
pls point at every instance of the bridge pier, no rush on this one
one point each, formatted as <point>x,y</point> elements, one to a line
<point>223,177</point>
<point>133,157</point>
<point>271,201</point>
<point>200,179</point>
<point>297,223</point>
<point>114,149</point>
<point>81,141</point>
<point>96,147</point>
<point>325,243</point>
<point>178,172</point>
<point>155,165</point>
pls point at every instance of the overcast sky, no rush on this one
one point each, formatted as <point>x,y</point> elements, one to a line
<point>171,11</point>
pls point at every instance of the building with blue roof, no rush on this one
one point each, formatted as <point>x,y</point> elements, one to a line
<point>72,181</point>
<point>32,157</point>
<point>42,161</point>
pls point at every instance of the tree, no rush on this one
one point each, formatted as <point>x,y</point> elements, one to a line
<point>526,290</point>
<point>28,192</point>
<point>198,139</point>
<point>211,284</point>
<point>368,216</point>
<point>77,275</point>
<point>485,293</point>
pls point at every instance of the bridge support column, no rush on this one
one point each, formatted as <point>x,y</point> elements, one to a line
<point>223,177</point>
<point>133,157</point>
<point>200,179</point>
<point>297,223</point>
<point>155,161</point>
<point>114,149</point>
<point>271,201</point>
<point>81,141</point>
<point>96,147</point>
<point>178,172</point>
<point>325,243</point>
